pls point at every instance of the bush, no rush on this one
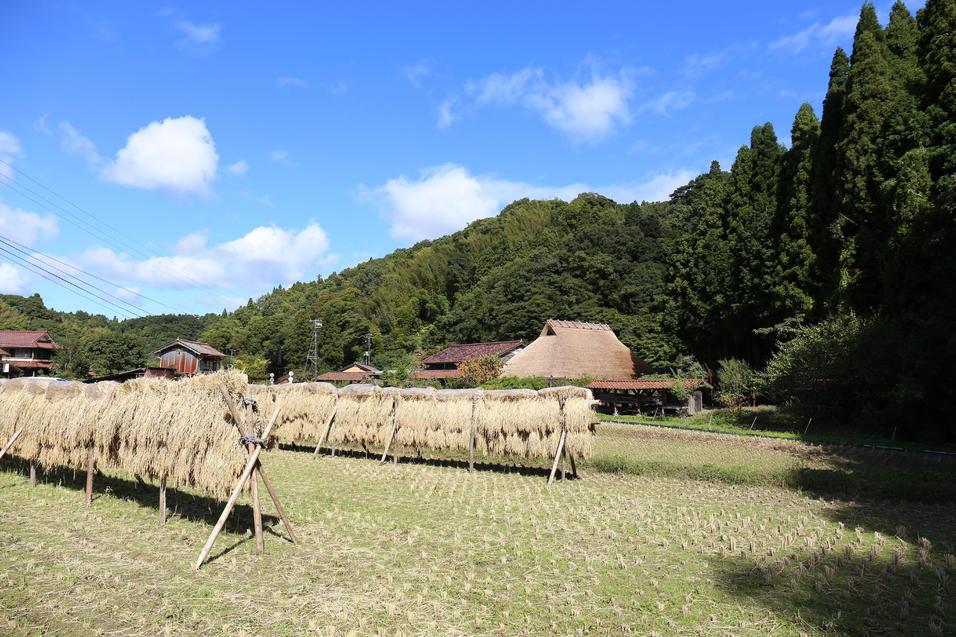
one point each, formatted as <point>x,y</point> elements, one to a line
<point>737,381</point>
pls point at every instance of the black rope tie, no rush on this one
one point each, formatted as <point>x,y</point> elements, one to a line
<point>252,440</point>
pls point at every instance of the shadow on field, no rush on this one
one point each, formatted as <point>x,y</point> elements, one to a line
<point>454,462</point>
<point>845,592</point>
<point>192,507</point>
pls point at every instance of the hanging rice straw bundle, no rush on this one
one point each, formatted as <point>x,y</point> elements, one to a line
<point>306,408</point>
<point>578,419</point>
<point>22,405</point>
<point>455,413</point>
<point>505,417</point>
<point>363,416</point>
<point>178,430</point>
<point>415,416</point>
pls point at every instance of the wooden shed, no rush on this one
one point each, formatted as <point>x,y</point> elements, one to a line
<point>190,357</point>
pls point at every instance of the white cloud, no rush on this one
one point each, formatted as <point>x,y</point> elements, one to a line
<point>281,156</point>
<point>259,260</point>
<point>9,149</point>
<point>72,142</point>
<point>837,30</point>
<point>13,280</point>
<point>292,81</point>
<point>26,227</point>
<point>586,111</point>
<point>177,155</point>
<point>669,101</point>
<point>201,39</point>
<point>446,198</point>
<point>416,72</point>
<point>695,65</point>
<point>239,169</point>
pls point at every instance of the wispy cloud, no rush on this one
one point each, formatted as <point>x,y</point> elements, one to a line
<point>195,38</point>
<point>669,101</point>
<point>586,109</point>
<point>415,73</point>
<point>239,168</point>
<point>827,34</point>
<point>282,157</point>
<point>292,81</point>
<point>9,150</point>
<point>445,114</point>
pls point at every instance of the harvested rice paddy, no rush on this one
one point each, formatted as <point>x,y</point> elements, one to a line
<point>426,548</point>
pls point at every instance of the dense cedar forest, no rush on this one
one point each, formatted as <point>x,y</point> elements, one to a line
<point>828,266</point>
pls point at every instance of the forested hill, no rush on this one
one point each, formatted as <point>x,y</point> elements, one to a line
<point>828,265</point>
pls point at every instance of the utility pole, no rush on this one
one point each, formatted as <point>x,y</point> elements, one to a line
<point>312,360</point>
<point>368,349</point>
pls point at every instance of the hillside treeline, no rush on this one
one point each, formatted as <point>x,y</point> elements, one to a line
<point>828,266</point>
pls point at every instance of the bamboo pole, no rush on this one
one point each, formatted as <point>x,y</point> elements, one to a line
<point>471,436</point>
<point>90,467</point>
<point>250,465</point>
<point>328,426</point>
<point>162,500</point>
<point>10,442</point>
<point>391,436</point>
<point>574,469</point>
<point>33,474</point>
<point>256,504</point>
<point>557,456</point>
<point>259,468</point>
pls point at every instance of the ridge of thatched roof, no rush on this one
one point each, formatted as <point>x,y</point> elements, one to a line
<point>571,349</point>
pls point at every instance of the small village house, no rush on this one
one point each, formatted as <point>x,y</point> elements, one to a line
<point>445,364</point>
<point>572,349</point>
<point>354,373</point>
<point>27,352</point>
<point>190,357</point>
<point>649,396</point>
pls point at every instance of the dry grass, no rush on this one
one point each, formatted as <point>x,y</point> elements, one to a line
<point>420,549</point>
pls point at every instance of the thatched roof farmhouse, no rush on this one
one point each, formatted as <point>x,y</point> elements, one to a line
<point>571,349</point>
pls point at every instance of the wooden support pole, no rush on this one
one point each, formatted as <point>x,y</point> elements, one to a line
<point>250,465</point>
<point>391,436</point>
<point>90,467</point>
<point>278,505</point>
<point>574,469</point>
<point>10,442</point>
<point>254,485</point>
<point>33,474</point>
<point>260,469</point>
<point>564,454</point>
<point>162,500</point>
<point>471,436</point>
<point>558,454</point>
<point>328,427</point>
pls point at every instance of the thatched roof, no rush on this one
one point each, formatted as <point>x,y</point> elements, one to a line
<point>570,349</point>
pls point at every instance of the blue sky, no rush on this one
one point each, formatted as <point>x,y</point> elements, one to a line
<point>224,149</point>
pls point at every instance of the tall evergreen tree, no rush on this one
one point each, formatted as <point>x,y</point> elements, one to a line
<point>937,55</point>
<point>795,259</point>
<point>824,216</point>
<point>862,169</point>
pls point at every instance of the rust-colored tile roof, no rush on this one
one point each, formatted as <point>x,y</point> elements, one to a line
<point>468,351</point>
<point>4,352</point>
<point>27,339</point>
<point>31,364</point>
<point>434,374</point>
<point>644,384</point>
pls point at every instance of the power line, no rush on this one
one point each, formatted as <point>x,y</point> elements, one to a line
<point>30,258</point>
<point>53,279</point>
<point>132,243</point>
<point>98,278</point>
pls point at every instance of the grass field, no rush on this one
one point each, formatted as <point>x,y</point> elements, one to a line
<point>645,546</point>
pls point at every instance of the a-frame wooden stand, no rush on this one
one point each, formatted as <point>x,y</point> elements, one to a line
<point>253,469</point>
<point>562,451</point>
